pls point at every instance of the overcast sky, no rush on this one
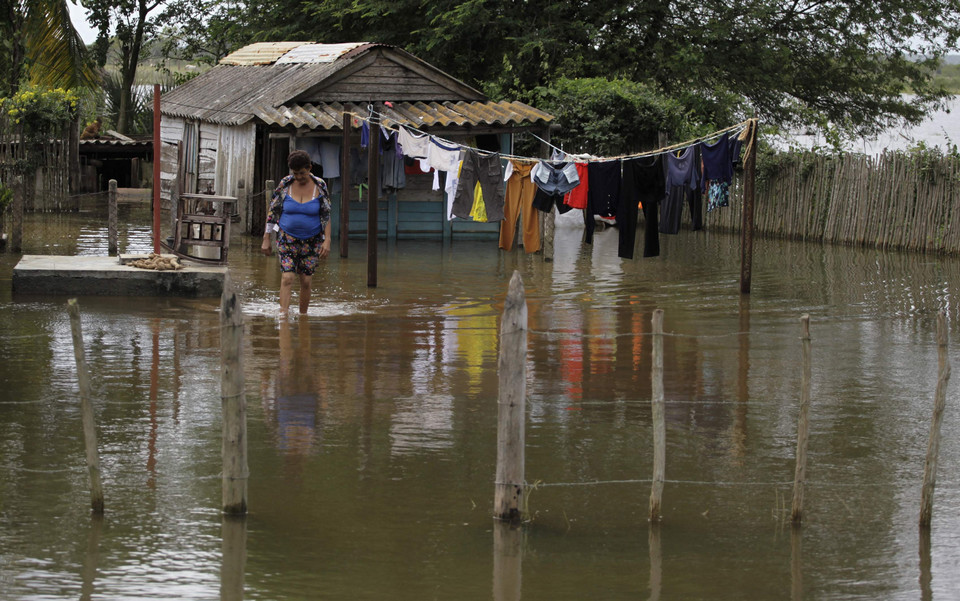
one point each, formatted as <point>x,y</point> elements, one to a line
<point>78,15</point>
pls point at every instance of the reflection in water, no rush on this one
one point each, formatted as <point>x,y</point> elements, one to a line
<point>507,561</point>
<point>233,564</point>
<point>92,558</point>
<point>297,390</point>
<point>403,377</point>
<point>656,561</point>
<point>796,563</point>
<point>926,561</point>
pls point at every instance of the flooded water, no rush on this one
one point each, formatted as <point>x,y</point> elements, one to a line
<point>940,129</point>
<point>372,428</point>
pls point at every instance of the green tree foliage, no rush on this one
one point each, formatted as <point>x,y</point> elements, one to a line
<point>39,43</point>
<point>134,30</point>
<point>804,61</point>
<point>611,117</point>
<point>203,31</point>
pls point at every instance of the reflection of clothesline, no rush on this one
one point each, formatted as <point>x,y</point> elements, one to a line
<point>377,118</point>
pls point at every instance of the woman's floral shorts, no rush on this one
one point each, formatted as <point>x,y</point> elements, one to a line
<point>299,256</point>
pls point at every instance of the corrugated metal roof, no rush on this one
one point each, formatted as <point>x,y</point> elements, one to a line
<point>317,53</point>
<point>329,116</point>
<point>253,83</point>
<point>260,53</point>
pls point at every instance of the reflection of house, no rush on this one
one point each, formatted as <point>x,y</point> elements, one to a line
<point>115,156</point>
<point>231,128</point>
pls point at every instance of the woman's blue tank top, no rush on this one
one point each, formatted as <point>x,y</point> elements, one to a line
<point>301,220</point>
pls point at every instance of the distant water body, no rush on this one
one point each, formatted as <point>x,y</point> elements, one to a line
<point>941,128</point>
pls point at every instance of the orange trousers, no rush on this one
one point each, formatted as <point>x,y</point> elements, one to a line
<point>518,202</point>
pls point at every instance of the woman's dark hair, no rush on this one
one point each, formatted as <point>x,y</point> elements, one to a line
<point>299,159</point>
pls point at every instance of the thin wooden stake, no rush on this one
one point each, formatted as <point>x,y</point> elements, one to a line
<point>803,425</point>
<point>511,411</point>
<point>86,409</point>
<point>939,403</point>
<point>233,403</point>
<point>659,423</point>
<point>112,217</point>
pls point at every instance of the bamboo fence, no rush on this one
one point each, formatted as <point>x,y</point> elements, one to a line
<point>897,200</point>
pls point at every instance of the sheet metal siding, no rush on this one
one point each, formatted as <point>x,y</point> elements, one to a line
<point>171,132</point>
<point>208,149</point>
<point>235,164</point>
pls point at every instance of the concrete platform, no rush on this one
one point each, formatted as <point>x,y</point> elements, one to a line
<point>106,276</point>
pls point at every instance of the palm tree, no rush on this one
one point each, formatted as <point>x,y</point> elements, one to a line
<point>41,43</point>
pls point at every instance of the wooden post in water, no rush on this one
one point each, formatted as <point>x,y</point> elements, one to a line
<point>939,403</point>
<point>803,424</point>
<point>548,231</point>
<point>345,185</point>
<point>373,193</point>
<point>86,409</point>
<point>112,217</point>
<point>659,423</point>
<point>16,213</point>
<point>512,371</point>
<point>746,226</point>
<point>233,402</point>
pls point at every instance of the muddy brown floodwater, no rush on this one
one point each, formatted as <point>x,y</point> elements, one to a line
<point>372,428</point>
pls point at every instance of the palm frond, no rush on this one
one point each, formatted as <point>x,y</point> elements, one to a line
<point>56,54</point>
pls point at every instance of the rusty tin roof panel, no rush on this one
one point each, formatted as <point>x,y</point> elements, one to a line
<point>260,53</point>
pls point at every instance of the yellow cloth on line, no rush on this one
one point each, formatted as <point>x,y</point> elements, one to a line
<point>479,210</point>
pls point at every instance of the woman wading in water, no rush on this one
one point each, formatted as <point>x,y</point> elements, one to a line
<point>300,214</point>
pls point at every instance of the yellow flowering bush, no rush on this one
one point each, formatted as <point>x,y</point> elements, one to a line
<point>37,116</point>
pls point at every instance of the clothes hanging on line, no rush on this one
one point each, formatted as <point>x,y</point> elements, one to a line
<point>518,203</point>
<point>553,181</point>
<point>413,144</point>
<point>603,195</point>
<point>682,186</point>
<point>488,172</point>
<point>717,172</point>
<point>643,182</point>
<point>577,198</point>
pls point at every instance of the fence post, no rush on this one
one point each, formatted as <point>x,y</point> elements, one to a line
<point>233,403</point>
<point>16,214</point>
<point>659,424</point>
<point>86,409</point>
<point>939,403</point>
<point>512,370</point>
<point>803,424</point>
<point>112,217</point>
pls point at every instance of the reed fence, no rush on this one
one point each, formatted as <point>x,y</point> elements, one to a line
<point>897,201</point>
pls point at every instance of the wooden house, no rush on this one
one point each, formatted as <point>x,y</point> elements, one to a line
<point>230,129</point>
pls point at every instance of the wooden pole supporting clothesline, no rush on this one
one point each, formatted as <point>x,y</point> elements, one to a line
<point>345,187</point>
<point>373,196</point>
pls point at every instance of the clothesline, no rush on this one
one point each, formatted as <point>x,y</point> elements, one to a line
<point>739,127</point>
